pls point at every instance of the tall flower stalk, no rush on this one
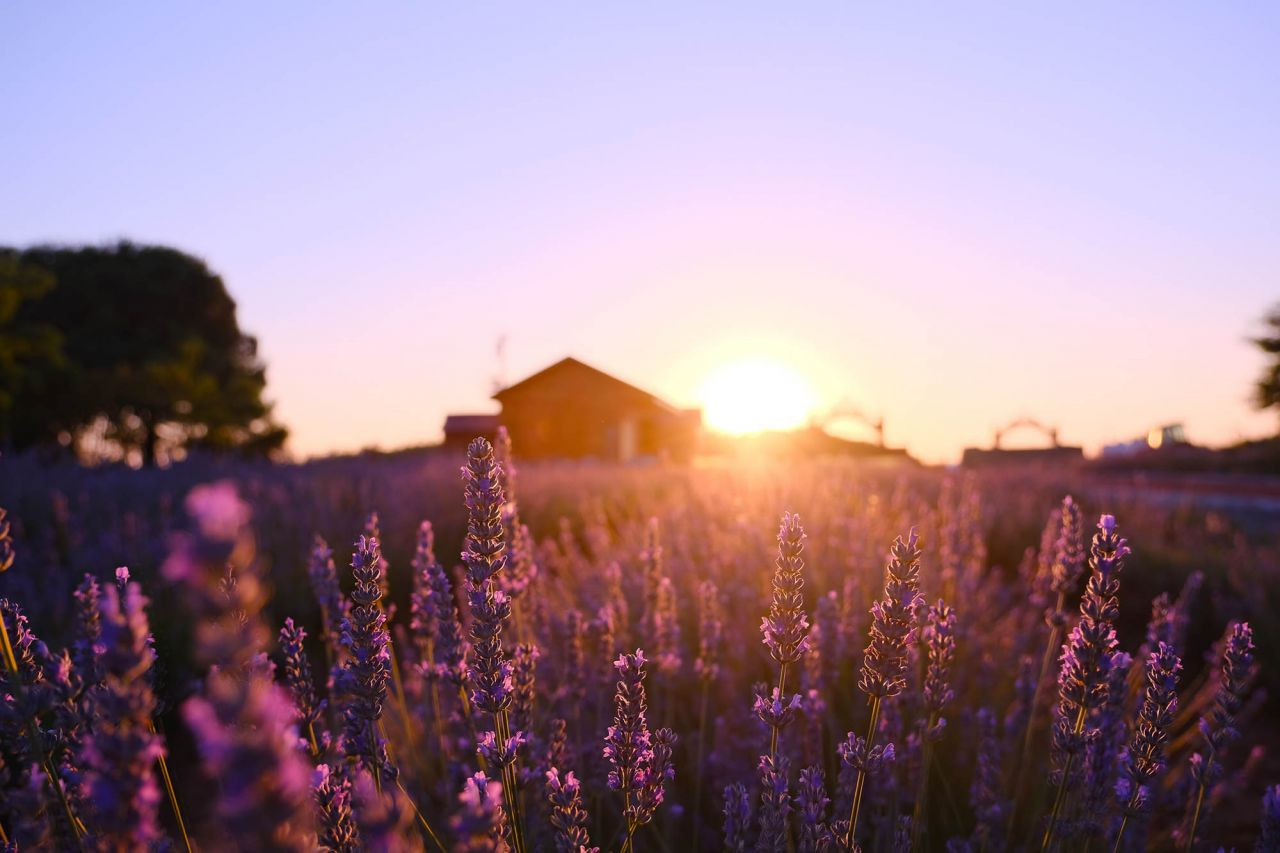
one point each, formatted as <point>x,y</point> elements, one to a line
<point>786,628</point>
<point>1145,759</point>
<point>1066,562</point>
<point>1086,661</point>
<point>242,721</point>
<point>1217,727</point>
<point>940,643</point>
<point>297,677</point>
<point>884,665</point>
<point>489,672</point>
<point>119,756</point>
<point>17,686</point>
<point>640,761</point>
<point>367,672</point>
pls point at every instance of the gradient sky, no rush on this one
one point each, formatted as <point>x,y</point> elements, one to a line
<point>952,216</point>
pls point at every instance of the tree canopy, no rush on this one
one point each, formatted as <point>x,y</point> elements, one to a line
<point>1267,389</point>
<point>128,348</point>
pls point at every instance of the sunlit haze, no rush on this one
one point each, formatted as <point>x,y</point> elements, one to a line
<point>750,396</point>
<point>949,216</point>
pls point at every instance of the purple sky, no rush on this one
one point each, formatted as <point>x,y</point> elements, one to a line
<point>953,218</point>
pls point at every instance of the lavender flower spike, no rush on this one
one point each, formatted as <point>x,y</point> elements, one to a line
<point>1269,834</point>
<point>485,556</point>
<point>297,677</point>
<point>884,665</point>
<point>1145,758</point>
<point>338,833</point>
<point>118,758</point>
<point>568,815</point>
<point>811,802</point>
<point>775,804</point>
<point>367,671</point>
<point>641,762</point>
<point>786,628</point>
<point>480,826</point>
<point>1217,727</point>
<point>737,817</point>
<point>1086,659</point>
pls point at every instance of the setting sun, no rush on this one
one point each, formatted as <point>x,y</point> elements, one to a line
<point>751,396</point>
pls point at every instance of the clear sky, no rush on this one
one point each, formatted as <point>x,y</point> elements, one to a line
<point>953,215</point>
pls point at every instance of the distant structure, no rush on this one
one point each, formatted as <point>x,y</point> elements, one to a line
<point>460,429</point>
<point>847,411</point>
<point>571,410</point>
<point>1165,436</point>
<point>1055,454</point>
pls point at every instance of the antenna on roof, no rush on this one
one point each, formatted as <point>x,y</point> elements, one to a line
<point>500,378</point>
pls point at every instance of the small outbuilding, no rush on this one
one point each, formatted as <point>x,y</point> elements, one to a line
<point>574,411</point>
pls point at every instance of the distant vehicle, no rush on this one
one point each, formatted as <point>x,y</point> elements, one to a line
<point>1168,435</point>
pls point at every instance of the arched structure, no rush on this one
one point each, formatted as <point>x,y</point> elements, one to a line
<point>844,411</point>
<point>1048,432</point>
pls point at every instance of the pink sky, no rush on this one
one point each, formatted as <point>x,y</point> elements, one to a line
<point>952,219</point>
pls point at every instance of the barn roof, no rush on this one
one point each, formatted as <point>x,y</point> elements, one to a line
<point>470,423</point>
<point>573,365</point>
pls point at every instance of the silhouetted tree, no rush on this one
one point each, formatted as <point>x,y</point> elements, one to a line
<point>149,354</point>
<point>1267,391</point>
<point>33,367</point>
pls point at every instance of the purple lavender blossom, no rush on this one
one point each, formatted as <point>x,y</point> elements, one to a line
<point>666,629</point>
<point>884,664</point>
<point>524,663</point>
<point>1069,555</point>
<point>118,757</point>
<point>568,815</point>
<point>656,775</point>
<point>332,791</point>
<point>480,825</point>
<point>940,643</point>
<point>786,628</point>
<point>775,803</point>
<point>1217,726</point>
<point>324,584</point>
<point>811,803</point>
<point>986,792</point>
<point>1269,834</point>
<point>1145,758</point>
<point>854,753</point>
<point>627,744</point>
<point>485,556</point>
<point>367,672</point>
<point>38,728</point>
<point>241,726</point>
<point>7,554</point>
<point>87,650</point>
<point>737,817</point>
<point>1083,685</point>
<point>641,763</point>
<point>297,677</point>
<point>122,577</point>
<point>775,710</point>
<point>242,723</point>
<point>424,609</point>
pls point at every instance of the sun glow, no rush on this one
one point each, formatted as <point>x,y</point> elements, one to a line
<point>752,396</point>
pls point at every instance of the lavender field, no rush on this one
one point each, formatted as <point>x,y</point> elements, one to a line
<point>386,654</point>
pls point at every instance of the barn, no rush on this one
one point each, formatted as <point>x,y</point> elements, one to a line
<point>571,410</point>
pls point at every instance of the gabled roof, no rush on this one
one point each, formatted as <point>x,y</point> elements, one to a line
<point>584,369</point>
<point>470,423</point>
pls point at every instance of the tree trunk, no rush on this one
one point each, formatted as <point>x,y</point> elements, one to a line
<point>150,444</point>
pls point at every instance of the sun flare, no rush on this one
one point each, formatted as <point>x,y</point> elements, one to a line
<point>752,396</point>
